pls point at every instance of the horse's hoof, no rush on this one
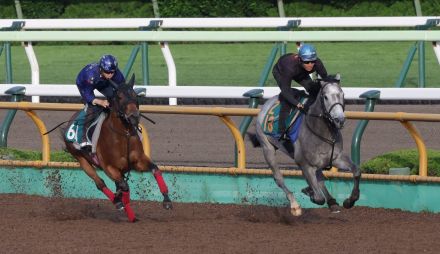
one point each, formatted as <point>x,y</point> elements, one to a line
<point>167,205</point>
<point>317,201</point>
<point>133,220</point>
<point>348,203</point>
<point>296,211</point>
<point>335,208</point>
<point>119,206</point>
<point>308,191</point>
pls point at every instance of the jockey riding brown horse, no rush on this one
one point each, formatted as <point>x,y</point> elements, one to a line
<point>119,149</point>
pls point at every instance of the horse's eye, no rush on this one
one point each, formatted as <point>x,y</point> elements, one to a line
<point>325,97</point>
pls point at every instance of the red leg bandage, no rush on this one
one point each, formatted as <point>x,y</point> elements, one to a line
<point>108,193</point>
<point>127,207</point>
<point>159,179</point>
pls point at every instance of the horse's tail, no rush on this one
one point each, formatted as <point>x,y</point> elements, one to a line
<point>254,140</point>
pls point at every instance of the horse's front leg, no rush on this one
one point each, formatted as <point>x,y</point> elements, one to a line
<point>162,187</point>
<point>122,195</point>
<point>343,162</point>
<point>331,201</point>
<point>145,164</point>
<point>91,172</point>
<point>122,199</point>
<point>269,156</point>
<point>314,190</point>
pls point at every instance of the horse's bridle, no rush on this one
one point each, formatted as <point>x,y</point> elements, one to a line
<point>330,122</point>
<point>326,112</point>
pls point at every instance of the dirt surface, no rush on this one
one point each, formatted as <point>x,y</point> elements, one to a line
<point>31,224</point>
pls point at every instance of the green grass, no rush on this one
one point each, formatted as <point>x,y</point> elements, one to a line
<point>26,155</point>
<point>400,159</point>
<point>361,64</point>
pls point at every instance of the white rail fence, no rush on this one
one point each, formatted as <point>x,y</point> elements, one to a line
<point>351,93</point>
<point>37,89</point>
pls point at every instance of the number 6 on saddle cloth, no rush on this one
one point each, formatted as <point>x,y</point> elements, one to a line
<point>75,130</point>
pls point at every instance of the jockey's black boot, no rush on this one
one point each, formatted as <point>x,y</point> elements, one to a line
<point>285,109</point>
<point>88,119</point>
<point>288,145</point>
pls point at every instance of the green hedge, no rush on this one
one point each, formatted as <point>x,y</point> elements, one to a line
<point>214,8</point>
<point>209,8</point>
<point>98,9</point>
<point>400,159</point>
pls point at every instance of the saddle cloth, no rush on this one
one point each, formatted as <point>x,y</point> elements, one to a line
<point>294,120</point>
<point>75,131</point>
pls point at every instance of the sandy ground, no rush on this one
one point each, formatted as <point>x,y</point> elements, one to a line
<point>32,224</point>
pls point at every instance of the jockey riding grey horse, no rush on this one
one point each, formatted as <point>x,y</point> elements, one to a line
<point>319,146</point>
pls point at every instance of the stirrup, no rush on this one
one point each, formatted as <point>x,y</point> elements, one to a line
<point>284,137</point>
<point>85,144</point>
<point>86,147</point>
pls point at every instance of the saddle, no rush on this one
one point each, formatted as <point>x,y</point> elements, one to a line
<point>75,131</point>
<point>293,122</point>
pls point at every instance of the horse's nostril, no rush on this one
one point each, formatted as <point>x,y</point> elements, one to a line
<point>342,122</point>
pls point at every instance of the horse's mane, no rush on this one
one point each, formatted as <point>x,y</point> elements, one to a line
<point>333,78</point>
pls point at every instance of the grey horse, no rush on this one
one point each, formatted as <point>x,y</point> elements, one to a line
<point>319,146</point>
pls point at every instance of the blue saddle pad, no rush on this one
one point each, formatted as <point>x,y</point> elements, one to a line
<point>270,122</point>
<point>75,130</point>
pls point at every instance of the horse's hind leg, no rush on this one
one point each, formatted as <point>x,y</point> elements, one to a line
<point>269,155</point>
<point>91,172</point>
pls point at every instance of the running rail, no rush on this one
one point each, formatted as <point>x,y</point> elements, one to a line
<point>224,113</point>
<point>222,36</point>
<point>226,92</point>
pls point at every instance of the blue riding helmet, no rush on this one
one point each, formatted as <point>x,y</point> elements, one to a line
<point>307,52</point>
<point>108,63</point>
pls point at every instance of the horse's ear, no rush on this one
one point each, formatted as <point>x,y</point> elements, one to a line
<point>338,77</point>
<point>131,82</point>
<point>318,77</point>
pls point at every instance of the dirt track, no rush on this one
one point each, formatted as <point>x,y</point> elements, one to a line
<point>41,225</point>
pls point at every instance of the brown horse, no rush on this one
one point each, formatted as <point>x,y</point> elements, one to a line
<point>119,149</point>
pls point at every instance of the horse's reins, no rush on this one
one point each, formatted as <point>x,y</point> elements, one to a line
<point>56,127</point>
<point>127,134</point>
<point>131,131</point>
<point>329,120</point>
